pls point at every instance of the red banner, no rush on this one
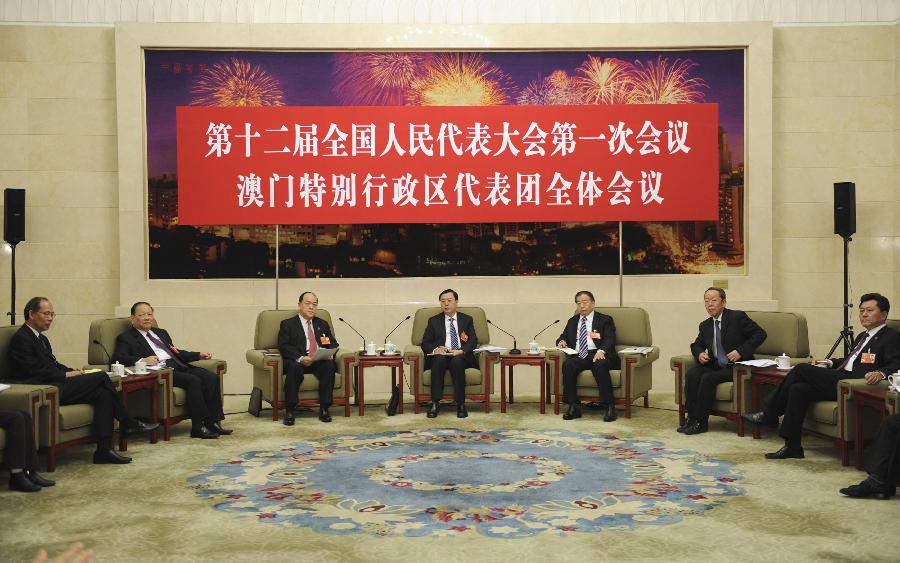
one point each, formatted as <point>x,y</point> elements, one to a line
<point>330,165</point>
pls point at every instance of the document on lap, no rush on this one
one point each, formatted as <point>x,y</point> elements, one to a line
<point>324,354</point>
<point>758,363</point>
<point>4,386</point>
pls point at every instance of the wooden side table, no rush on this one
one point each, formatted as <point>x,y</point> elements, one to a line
<point>508,361</point>
<point>130,384</point>
<point>394,361</point>
<point>764,376</point>
<point>872,397</point>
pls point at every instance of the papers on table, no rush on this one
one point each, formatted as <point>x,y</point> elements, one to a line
<point>636,350</point>
<point>4,386</point>
<point>493,349</point>
<point>758,363</point>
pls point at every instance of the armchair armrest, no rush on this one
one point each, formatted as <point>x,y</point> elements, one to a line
<point>22,397</point>
<point>846,387</point>
<point>262,358</point>
<point>684,362</point>
<point>892,402</point>
<point>641,360</point>
<point>213,365</point>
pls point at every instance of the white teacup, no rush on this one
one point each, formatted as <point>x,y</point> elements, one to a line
<point>894,380</point>
<point>390,348</point>
<point>370,348</point>
<point>533,348</point>
<point>118,369</point>
<point>783,361</point>
<point>140,367</point>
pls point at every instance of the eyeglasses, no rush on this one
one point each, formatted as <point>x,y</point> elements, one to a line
<point>48,314</point>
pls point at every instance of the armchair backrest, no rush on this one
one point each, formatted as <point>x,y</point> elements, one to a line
<point>6,334</point>
<point>893,323</point>
<point>479,319</point>
<point>632,325</point>
<point>106,331</point>
<point>268,322</point>
<point>786,333</point>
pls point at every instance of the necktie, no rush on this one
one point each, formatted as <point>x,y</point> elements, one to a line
<point>45,342</point>
<point>859,344</point>
<point>582,339</point>
<point>454,337</point>
<point>312,346</point>
<point>175,359</point>
<point>721,356</point>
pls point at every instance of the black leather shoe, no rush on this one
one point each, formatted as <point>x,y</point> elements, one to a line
<point>687,423</point>
<point>761,419</point>
<point>323,415</point>
<point>870,489</point>
<point>786,453</point>
<point>35,478</point>
<point>110,456</point>
<point>20,482</point>
<point>610,413</point>
<point>204,433</point>
<point>696,427</point>
<point>139,427</point>
<point>288,417</point>
<point>433,410</point>
<point>573,412</point>
<point>217,428</point>
<point>461,411</point>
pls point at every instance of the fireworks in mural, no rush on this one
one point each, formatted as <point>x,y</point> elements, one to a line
<point>236,82</point>
<point>269,78</point>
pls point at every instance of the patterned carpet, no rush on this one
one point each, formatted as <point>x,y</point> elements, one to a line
<point>442,482</point>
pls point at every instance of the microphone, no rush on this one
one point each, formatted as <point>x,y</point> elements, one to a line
<point>515,349</point>
<point>105,351</point>
<point>396,327</point>
<point>543,329</point>
<point>354,330</point>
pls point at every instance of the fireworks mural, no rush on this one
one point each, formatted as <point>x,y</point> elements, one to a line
<point>216,78</point>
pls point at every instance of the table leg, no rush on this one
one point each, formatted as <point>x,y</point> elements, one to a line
<point>543,386</point>
<point>123,435</point>
<point>360,390</point>
<point>857,422</point>
<point>556,376</point>
<point>511,398</point>
<point>402,385</point>
<point>503,373</point>
<point>346,392</point>
<point>154,410</point>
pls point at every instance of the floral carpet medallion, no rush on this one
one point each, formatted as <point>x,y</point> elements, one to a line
<point>505,483</point>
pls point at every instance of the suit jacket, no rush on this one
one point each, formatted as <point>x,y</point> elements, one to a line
<point>292,342</point>
<point>436,335</point>
<point>602,325</point>
<point>132,346</point>
<point>739,332</point>
<point>886,347</point>
<point>31,359</point>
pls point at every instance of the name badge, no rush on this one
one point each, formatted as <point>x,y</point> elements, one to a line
<point>867,358</point>
<point>324,340</point>
<point>595,334</point>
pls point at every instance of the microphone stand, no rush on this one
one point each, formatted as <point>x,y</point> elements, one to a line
<point>515,349</point>
<point>105,351</point>
<point>544,329</point>
<point>396,327</point>
<point>354,330</point>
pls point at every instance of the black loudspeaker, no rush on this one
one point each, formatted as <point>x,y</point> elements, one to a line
<point>844,208</point>
<point>13,215</point>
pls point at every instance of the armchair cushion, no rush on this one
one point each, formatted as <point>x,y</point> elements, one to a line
<point>75,416</point>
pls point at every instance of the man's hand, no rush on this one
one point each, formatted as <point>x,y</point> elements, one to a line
<point>151,360</point>
<point>704,357</point>
<point>456,352</point>
<point>822,363</point>
<point>75,373</point>
<point>733,356</point>
<point>305,360</point>
<point>874,377</point>
<point>439,350</point>
<point>205,356</point>
<point>562,344</point>
<point>600,355</point>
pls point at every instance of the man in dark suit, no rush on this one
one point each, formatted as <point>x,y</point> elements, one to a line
<point>875,353</point>
<point>882,461</point>
<point>152,344</point>
<point>726,337</point>
<point>298,339</point>
<point>593,337</point>
<point>31,360</point>
<point>449,343</point>
<point>19,454</point>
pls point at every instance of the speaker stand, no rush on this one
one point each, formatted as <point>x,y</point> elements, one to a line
<point>12,300</point>
<point>846,334</point>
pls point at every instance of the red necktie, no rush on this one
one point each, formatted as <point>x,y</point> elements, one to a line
<point>310,339</point>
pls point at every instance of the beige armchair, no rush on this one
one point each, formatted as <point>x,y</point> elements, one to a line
<point>478,380</point>
<point>22,397</point>
<point>171,399</point>
<point>786,334</point>
<point>268,376</point>
<point>635,378</point>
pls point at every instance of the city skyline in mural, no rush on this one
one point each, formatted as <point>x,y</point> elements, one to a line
<point>229,78</point>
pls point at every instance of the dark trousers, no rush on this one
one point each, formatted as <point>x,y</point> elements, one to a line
<point>293,377</point>
<point>19,452</point>
<point>95,389</point>
<point>457,366</point>
<point>700,388</point>
<point>804,385</point>
<point>883,456</point>
<point>575,365</point>
<point>204,394</point>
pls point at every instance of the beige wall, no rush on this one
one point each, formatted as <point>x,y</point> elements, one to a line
<point>835,106</point>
